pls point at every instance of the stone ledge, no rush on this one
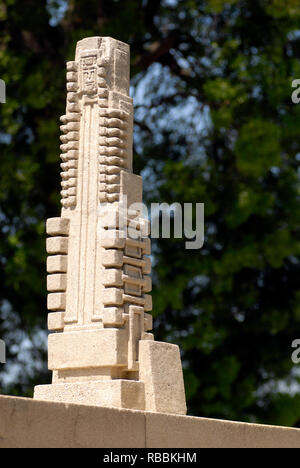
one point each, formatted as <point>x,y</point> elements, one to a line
<point>30,423</point>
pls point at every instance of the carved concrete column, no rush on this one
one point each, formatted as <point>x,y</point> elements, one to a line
<point>101,352</point>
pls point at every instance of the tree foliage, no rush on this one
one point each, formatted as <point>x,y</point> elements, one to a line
<point>215,124</point>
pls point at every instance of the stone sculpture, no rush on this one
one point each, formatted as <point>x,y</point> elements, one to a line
<point>101,352</point>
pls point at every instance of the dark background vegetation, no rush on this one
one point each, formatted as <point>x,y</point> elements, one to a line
<point>215,124</point>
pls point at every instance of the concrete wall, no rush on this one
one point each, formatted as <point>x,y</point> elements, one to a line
<point>30,423</point>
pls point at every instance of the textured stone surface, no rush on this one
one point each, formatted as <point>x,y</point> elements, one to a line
<point>26,423</point>
<point>98,265</point>
<point>30,423</point>
<point>126,394</point>
<point>166,431</point>
<point>88,349</point>
<point>161,372</point>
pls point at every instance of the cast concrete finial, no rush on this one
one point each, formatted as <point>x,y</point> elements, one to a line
<point>101,352</point>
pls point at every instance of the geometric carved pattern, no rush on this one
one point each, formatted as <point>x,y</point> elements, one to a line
<point>70,139</point>
<point>98,279</point>
<point>94,83</point>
